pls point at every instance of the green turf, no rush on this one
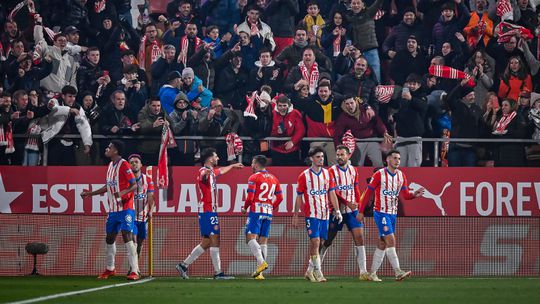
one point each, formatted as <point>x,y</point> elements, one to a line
<point>277,290</point>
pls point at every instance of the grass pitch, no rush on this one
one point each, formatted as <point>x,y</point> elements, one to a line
<point>276,290</point>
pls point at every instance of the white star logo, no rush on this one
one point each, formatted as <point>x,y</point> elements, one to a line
<point>6,198</point>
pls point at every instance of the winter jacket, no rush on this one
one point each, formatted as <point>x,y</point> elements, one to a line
<point>397,39</point>
<point>363,87</point>
<point>222,13</point>
<point>293,55</point>
<point>147,119</point>
<point>123,119</point>
<point>166,94</point>
<point>220,125</point>
<point>30,80</point>
<point>193,93</point>
<point>513,87</point>
<point>404,64</point>
<point>467,119</point>
<point>265,33</point>
<point>511,154</point>
<point>206,70</point>
<point>288,125</point>
<point>312,107</point>
<point>410,116</point>
<point>160,71</point>
<point>361,127</point>
<point>256,82</point>
<point>363,27</point>
<point>295,75</point>
<point>53,123</point>
<point>444,31</point>
<point>280,16</point>
<point>231,88</point>
<point>261,126</point>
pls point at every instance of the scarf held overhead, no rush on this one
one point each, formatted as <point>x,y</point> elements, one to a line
<point>450,73</point>
<point>312,77</point>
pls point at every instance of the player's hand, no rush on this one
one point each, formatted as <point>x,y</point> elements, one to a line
<point>237,166</point>
<point>360,217</point>
<point>243,210</point>
<point>419,192</point>
<point>295,221</point>
<point>338,216</point>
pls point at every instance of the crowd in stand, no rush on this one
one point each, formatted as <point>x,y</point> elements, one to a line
<point>395,70</point>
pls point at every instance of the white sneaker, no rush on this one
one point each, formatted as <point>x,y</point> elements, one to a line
<point>374,278</point>
<point>319,276</point>
<point>309,276</point>
<point>401,275</point>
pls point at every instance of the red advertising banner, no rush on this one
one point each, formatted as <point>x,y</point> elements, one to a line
<point>449,191</point>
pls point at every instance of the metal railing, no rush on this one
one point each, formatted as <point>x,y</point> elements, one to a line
<point>435,141</point>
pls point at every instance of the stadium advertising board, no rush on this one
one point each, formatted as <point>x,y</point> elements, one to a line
<point>487,192</point>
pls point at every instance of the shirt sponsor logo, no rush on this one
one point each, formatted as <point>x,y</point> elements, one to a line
<point>318,192</point>
<point>390,192</point>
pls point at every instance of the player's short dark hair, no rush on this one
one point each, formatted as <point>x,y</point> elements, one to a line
<point>343,147</point>
<point>392,152</point>
<point>315,150</point>
<point>69,90</point>
<point>119,146</point>
<point>207,153</point>
<point>261,160</point>
<point>135,156</point>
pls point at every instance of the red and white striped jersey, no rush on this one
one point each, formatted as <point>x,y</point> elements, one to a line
<point>263,188</point>
<point>315,188</point>
<point>346,186</point>
<point>119,178</point>
<point>207,189</point>
<point>145,186</point>
<point>387,187</point>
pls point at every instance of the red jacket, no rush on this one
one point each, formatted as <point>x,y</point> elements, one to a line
<point>290,125</point>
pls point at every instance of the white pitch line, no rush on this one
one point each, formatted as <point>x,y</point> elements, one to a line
<point>72,293</point>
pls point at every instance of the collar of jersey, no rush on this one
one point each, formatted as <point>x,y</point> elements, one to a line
<point>311,169</point>
<point>393,174</point>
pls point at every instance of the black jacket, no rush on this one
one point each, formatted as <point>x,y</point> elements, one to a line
<point>411,113</point>
<point>231,87</point>
<point>280,17</point>
<point>364,87</point>
<point>467,119</point>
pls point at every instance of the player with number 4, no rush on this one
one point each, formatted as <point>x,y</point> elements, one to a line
<point>208,217</point>
<point>264,195</point>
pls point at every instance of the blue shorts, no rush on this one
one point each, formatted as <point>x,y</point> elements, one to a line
<point>385,222</point>
<point>121,220</point>
<point>317,228</point>
<point>208,223</point>
<point>258,223</point>
<point>349,219</point>
<point>141,230</point>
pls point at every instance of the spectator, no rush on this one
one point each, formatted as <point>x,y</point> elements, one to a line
<point>292,54</point>
<point>449,24</point>
<point>117,41</point>
<point>231,85</point>
<point>258,125</point>
<point>502,54</point>
<point>482,67</point>
<point>307,70</point>
<point>168,92</point>
<point>14,57</point>
<point>222,13</point>
<point>455,55</point>
<point>150,49</point>
<point>359,82</point>
<point>26,76</point>
<point>467,122</point>
<point>205,66</point>
<point>362,124</point>
<point>186,45</point>
<point>218,45</point>
<point>199,96</point>
<point>67,117</point>
<point>254,25</point>
<point>10,35</point>
<point>128,58</point>
<point>480,27</point>
<point>314,23</point>
<point>184,122</point>
<point>534,117</point>
<point>363,32</point>
<point>398,38</point>
<point>412,107</point>
<point>152,119</point>
<point>118,118</point>
<point>528,17</point>
<point>72,36</point>
<point>65,68</point>
<point>182,13</point>
<point>409,61</point>
<point>249,49</point>
<point>265,72</point>
<point>345,60</point>
<point>90,76</point>
<point>321,111</point>
<point>6,115</point>
<point>123,9</point>
<point>91,110</point>
<point>335,37</point>
<point>509,125</point>
<point>515,79</point>
<point>217,121</point>
<point>162,68</point>
<point>286,122</point>
<point>523,107</point>
<point>134,89</point>
<point>280,16</point>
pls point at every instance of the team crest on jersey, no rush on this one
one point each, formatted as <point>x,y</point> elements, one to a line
<point>128,218</point>
<point>385,228</point>
<point>309,231</point>
<point>216,227</point>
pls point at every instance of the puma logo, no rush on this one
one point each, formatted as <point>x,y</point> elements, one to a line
<point>436,198</point>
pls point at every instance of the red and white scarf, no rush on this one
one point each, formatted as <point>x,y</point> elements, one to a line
<point>250,109</point>
<point>502,124</point>
<point>100,6</point>
<point>312,77</point>
<point>450,73</point>
<point>154,55</point>
<point>337,43</point>
<point>349,141</point>
<point>184,47</point>
<point>508,30</point>
<point>16,9</point>
<point>33,140</point>
<point>167,141</point>
<point>384,93</point>
<point>504,10</point>
<point>235,146</point>
<point>6,138</point>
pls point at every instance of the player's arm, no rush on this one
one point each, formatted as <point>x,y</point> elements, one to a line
<point>252,186</point>
<point>296,209</point>
<point>334,200</point>
<point>278,194</point>
<point>224,170</point>
<point>368,193</point>
<point>407,194</point>
<point>95,192</point>
<point>132,187</point>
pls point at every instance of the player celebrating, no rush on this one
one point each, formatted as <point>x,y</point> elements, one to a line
<point>264,194</point>
<point>387,183</point>
<point>208,217</point>
<point>119,187</point>
<point>348,195</point>
<point>315,191</point>
<point>144,200</point>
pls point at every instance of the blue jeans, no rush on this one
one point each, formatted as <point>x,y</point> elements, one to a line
<point>461,156</point>
<point>372,57</point>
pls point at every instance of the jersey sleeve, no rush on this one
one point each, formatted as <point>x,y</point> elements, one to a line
<point>301,184</point>
<point>252,187</point>
<point>217,172</point>
<point>375,181</point>
<point>200,176</point>
<point>278,193</point>
<point>150,184</point>
<point>407,194</point>
<point>332,182</point>
<point>126,173</point>
<point>357,193</point>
